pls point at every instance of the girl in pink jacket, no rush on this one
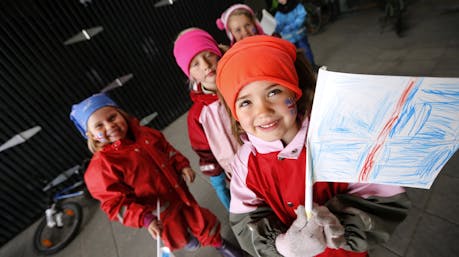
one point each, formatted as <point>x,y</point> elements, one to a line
<point>209,127</point>
<point>132,168</point>
<point>268,88</point>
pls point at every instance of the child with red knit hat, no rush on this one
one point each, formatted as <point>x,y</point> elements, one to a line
<point>209,127</point>
<point>268,89</point>
<point>239,21</point>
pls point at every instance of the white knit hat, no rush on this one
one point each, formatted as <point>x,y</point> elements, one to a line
<point>222,22</point>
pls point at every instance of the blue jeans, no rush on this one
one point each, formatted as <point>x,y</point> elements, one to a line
<point>304,44</point>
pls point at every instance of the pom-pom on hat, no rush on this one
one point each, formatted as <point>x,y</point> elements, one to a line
<point>256,58</point>
<point>82,111</point>
<point>191,43</point>
<point>222,22</point>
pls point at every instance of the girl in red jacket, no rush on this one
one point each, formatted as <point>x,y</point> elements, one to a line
<point>209,127</point>
<point>134,166</point>
<point>268,87</point>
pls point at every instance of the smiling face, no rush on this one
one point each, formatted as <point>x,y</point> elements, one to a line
<point>268,111</point>
<point>107,125</point>
<point>241,26</point>
<point>203,69</point>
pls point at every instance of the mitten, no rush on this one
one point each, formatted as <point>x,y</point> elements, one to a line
<point>303,239</point>
<point>333,230</point>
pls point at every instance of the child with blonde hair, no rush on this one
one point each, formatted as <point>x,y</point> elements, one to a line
<point>268,90</point>
<point>132,168</point>
<point>209,127</point>
<point>239,21</point>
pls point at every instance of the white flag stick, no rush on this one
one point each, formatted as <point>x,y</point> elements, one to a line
<point>309,182</point>
<point>158,239</point>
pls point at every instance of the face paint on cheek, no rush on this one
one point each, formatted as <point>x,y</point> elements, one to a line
<point>291,105</point>
<point>100,137</point>
<point>254,31</point>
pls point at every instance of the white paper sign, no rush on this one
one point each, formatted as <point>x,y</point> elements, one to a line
<point>383,129</point>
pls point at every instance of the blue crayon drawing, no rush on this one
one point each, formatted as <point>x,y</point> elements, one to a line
<point>383,129</point>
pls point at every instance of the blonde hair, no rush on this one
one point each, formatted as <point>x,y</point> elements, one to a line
<point>242,11</point>
<point>306,82</point>
<point>94,145</point>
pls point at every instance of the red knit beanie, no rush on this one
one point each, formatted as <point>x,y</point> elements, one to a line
<point>256,58</point>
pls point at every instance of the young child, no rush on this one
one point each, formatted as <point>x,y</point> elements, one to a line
<point>239,21</point>
<point>134,166</point>
<point>266,97</point>
<point>291,18</point>
<point>209,127</point>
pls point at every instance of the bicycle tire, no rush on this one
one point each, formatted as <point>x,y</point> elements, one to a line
<point>51,240</point>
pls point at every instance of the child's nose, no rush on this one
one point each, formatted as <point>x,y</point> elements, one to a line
<point>109,125</point>
<point>205,64</point>
<point>263,107</point>
<point>249,31</point>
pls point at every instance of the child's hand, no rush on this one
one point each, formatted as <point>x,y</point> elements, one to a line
<point>303,239</point>
<point>333,230</point>
<point>155,228</point>
<point>188,174</point>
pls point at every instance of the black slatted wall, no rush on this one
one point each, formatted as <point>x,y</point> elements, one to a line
<point>40,78</point>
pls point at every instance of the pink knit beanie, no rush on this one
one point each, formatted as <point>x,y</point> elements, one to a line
<point>222,22</point>
<point>191,43</point>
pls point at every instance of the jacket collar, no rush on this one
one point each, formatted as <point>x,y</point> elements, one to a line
<point>197,94</point>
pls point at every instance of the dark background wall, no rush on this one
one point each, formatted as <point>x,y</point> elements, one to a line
<point>40,78</point>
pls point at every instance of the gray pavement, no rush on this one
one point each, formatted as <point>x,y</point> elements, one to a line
<point>354,43</point>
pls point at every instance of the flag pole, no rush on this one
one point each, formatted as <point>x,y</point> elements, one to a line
<point>158,239</point>
<point>308,194</point>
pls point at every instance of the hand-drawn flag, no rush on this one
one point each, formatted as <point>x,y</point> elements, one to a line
<point>394,130</point>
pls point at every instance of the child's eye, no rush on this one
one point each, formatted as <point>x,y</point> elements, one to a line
<point>244,103</point>
<point>112,117</point>
<point>273,92</point>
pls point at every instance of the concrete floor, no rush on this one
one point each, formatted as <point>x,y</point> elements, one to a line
<point>354,43</point>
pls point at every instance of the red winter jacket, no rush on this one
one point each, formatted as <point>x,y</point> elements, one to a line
<point>209,131</point>
<point>128,176</point>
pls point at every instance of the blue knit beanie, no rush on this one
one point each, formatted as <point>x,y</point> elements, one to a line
<point>83,110</point>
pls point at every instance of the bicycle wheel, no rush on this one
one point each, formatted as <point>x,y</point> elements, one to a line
<point>51,240</point>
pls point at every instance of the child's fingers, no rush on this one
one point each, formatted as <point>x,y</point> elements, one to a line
<point>153,232</point>
<point>155,228</point>
<point>189,175</point>
<point>192,176</point>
